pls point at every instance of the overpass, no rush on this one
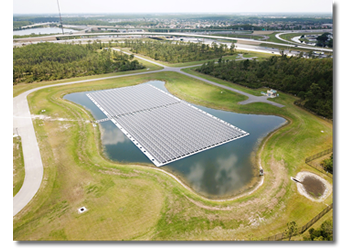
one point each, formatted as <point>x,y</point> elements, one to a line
<point>285,45</point>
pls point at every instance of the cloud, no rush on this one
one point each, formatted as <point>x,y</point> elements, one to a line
<point>113,137</point>
<point>195,175</point>
<point>226,170</point>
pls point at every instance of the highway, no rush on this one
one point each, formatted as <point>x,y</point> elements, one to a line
<point>244,47</point>
<point>175,34</point>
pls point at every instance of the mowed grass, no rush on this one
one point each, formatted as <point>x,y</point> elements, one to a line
<point>133,202</point>
<point>18,165</point>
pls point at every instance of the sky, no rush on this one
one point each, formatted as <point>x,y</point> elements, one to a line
<point>171,6</point>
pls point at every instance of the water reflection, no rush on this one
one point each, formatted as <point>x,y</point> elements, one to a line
<point>195,175</point>
<point>226,172</point>
<point>113,137</point>
<point>219,171</point>
<point>50,30</point>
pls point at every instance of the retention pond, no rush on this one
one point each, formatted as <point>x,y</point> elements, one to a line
<point>219,172</point>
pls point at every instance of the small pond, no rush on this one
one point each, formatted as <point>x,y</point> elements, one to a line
<point>222,171</point>
<point>313,186</point>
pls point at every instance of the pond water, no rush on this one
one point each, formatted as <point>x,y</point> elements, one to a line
<point>218,172</point>
<point>51,30</point>
<point>313,186</point>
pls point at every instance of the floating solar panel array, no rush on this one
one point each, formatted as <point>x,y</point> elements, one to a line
<point>162,126</point>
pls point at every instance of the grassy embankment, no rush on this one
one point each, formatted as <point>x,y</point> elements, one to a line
<point>18,165</point>
<point>245,36</point>
<point>287,37</point>
<point>18,162</point>
<point>134,202</point>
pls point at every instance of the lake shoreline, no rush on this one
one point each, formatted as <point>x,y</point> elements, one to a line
<point>252,183</point>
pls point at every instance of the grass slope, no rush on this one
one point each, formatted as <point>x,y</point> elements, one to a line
<point>133,202</point>
<point>18,165</point>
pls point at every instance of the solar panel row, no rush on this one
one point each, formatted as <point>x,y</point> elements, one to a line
<point>131,99</point>
<point>164,128</point>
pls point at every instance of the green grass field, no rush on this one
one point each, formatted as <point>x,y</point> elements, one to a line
<point>289,36</point>
<point>139,202</point>
<point>18,165</point>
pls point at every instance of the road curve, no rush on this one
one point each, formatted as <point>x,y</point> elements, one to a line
<point>176,34</point>
<point>23,126</point>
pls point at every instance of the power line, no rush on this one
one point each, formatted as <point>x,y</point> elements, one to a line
<point>62,29</point>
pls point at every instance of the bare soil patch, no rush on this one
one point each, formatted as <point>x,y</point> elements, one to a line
<point>248,42</point>
<point>312,186</point>
<point>262,32</point>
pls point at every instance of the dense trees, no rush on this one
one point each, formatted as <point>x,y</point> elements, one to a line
<point>35,19</point>
<point>291,229</point>
<point>328,164</point>
<point>50,61</point>
<point>18,24</point>
<point>177,52</point>
<point>309,79</point>
<point>324,40</point>
<point>324,233</point>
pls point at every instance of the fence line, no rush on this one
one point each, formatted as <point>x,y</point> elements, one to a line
<point>300,230</point>
<point>318,155</point>
<point>319,167</point>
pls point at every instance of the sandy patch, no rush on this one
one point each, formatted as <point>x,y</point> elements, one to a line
<point>262,32</point>
<point>301,189</point>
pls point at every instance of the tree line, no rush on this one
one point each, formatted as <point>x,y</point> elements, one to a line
<point>324,41</point>
<point>52,61</point>
<point>18,24</point>
<point>323,233</point>
<point>309,79</point>
<point>327,164</point>
<point>177,52</point>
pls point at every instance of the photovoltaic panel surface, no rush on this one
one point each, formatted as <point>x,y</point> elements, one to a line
<point>162,126</point>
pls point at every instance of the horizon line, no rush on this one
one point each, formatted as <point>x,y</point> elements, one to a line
<point>174,13</point>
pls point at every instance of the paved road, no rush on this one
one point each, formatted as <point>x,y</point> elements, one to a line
<point>22,123</point>
<point>251,98</point>
<point>23,126</point>
<point>174,34</point>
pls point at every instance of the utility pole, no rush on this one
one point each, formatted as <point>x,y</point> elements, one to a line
<point>62,29</point>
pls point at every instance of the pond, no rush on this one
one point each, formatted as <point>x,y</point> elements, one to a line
<point>313,186</point>
<point>51,30</point>
<point>222,171</point>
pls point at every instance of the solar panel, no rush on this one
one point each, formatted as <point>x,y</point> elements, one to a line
<point>162,126</point>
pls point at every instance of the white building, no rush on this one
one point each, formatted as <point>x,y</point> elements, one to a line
<point>270,93</point>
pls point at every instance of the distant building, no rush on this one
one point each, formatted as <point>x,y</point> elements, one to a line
<point>327,25</point>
